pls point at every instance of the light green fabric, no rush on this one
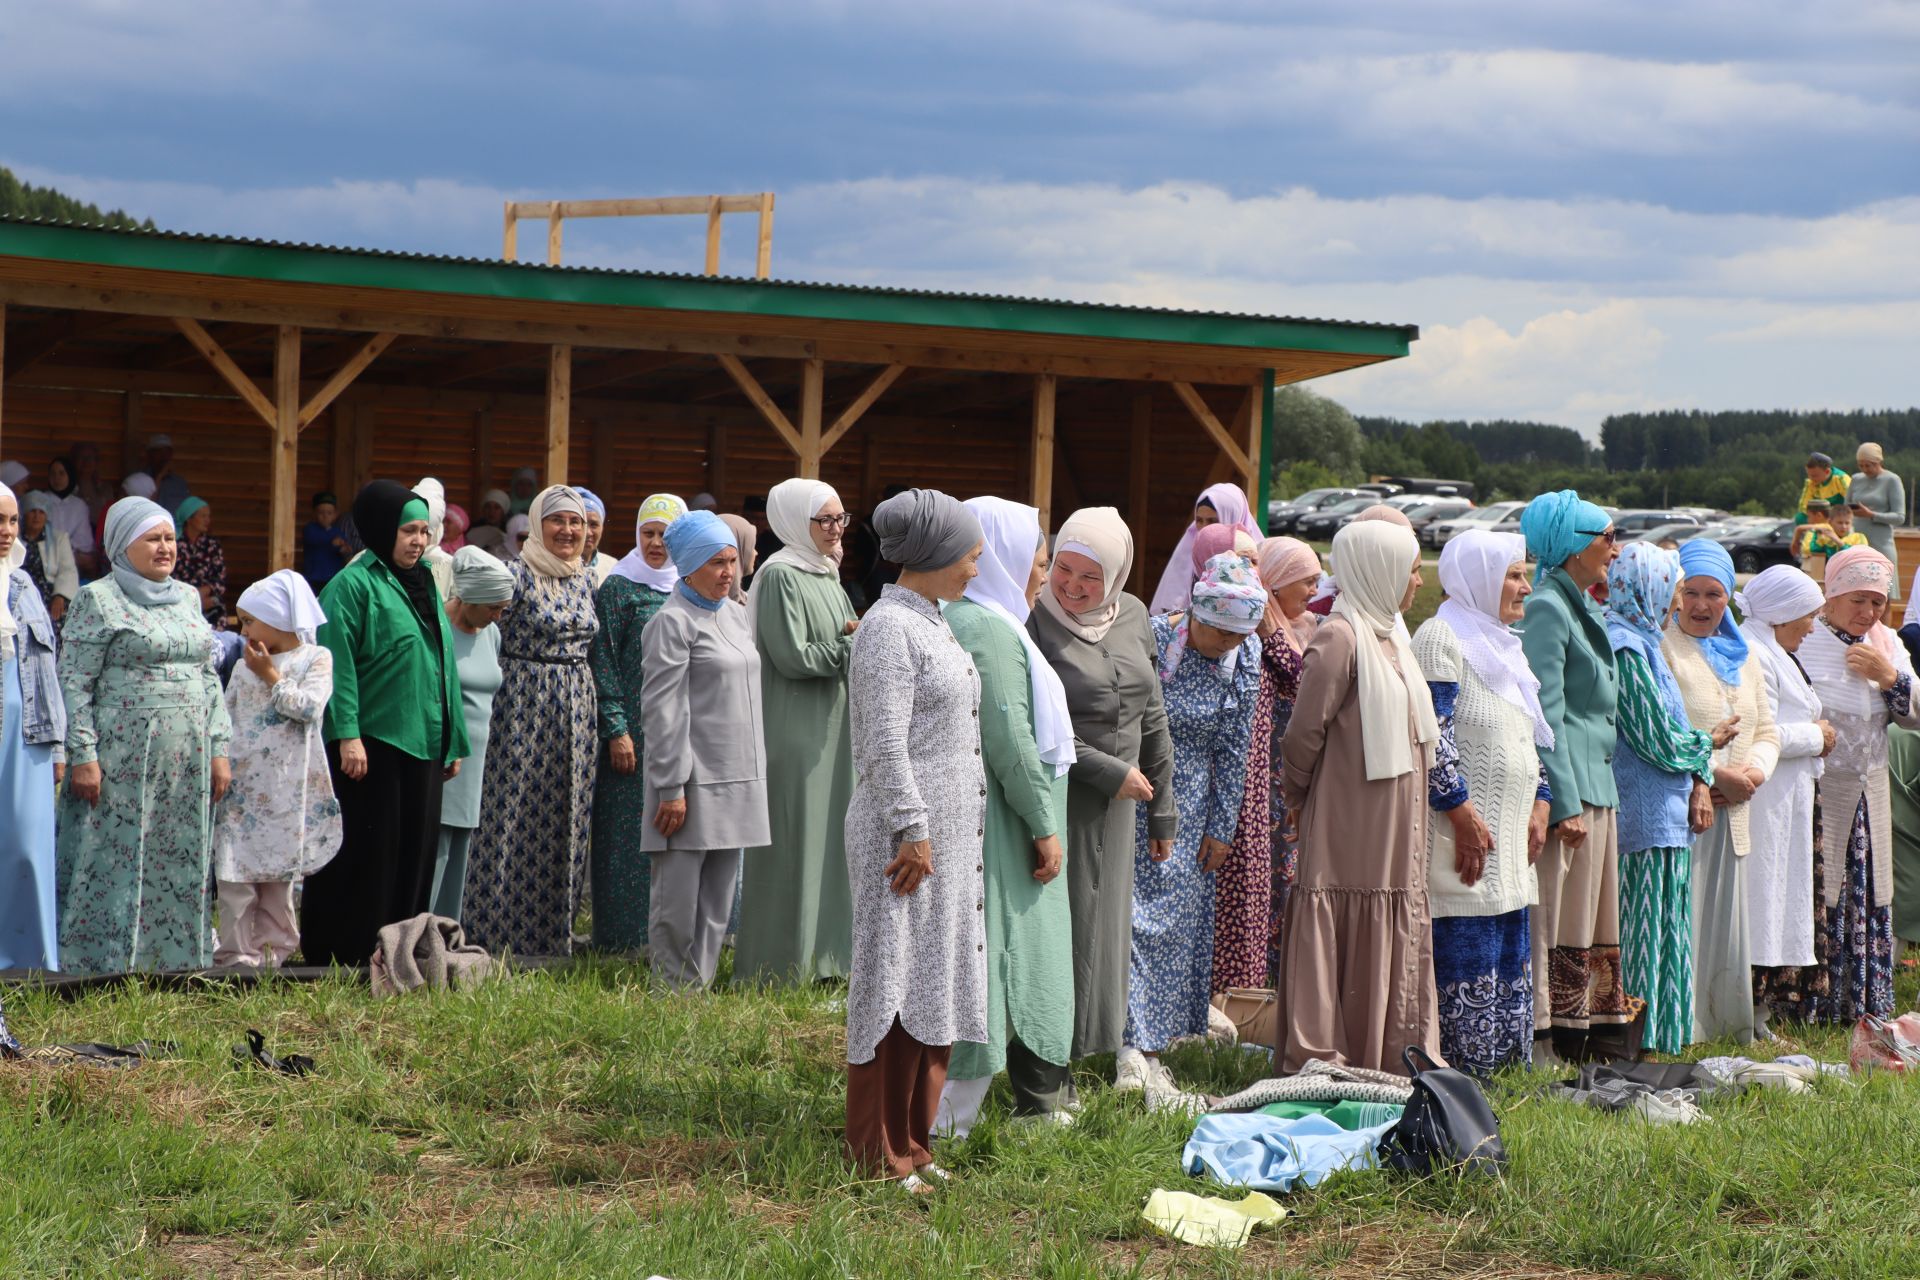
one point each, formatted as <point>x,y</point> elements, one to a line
<point>1346,1113</point>
<point>796,911</point>
<point>1567,647</point>
<point>1209,1220</point>
<point>1903,777</point>
<point>1029,925</point>
<point>387,683</point>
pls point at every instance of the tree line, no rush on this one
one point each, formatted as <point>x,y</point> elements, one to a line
<point>24,200</point>
<point>1746,460</point>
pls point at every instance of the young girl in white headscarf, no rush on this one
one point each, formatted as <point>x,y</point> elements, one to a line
<point>279,819</point>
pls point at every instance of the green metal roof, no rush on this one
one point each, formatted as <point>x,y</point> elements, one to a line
<point>537,282</point>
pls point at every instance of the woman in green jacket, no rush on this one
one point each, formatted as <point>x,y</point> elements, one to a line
<point>1026,735</point>
<point>394,732</point>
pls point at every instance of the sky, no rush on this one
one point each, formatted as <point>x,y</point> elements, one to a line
<point>1587,208</point>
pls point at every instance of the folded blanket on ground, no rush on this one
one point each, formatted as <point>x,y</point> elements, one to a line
<point>1320,1082</point>
<point>1266,1153</point>
<point>427,951</point>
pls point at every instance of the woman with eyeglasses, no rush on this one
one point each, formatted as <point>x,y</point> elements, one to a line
<point>1579,1005</point>
<point>796,911</point>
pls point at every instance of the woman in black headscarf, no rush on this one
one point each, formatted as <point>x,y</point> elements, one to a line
<point>394,730</point>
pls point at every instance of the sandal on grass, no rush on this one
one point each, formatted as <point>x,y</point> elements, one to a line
<point>914,1185</point>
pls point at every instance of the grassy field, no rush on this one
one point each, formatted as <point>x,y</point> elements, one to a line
<point>571,1123</point>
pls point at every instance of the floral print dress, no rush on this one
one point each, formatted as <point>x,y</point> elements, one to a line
<point>203,563</point>
<point>279,819</point>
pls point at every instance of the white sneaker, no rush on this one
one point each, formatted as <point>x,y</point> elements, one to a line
<point>1159,1078</point>
<point>1130,1070</point>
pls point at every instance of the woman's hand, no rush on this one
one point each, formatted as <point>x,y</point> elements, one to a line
<point>853,625</point>
<point>353,758</point>
<point>1570,831</point>
<point>1213,854</point>
<point>1725,731</point>
<point>1136,787</point>
<point>1827,737</point>
<point>83,780</point>
<point>1871,665</point>
<point>1047,857</point>
<point>910,866</point>
<point>1159,850</point>
<point>1471,841</point>
<point>1734,782</point>
<point>222,777</point>
<point>670,817</point>
<point>1699,808</point>
<point>1537,831</point>
<point>1272,620</point>
<point>260,662</point>
<point>451,772</point>
<point>620,754</point>
<point>57,608</point>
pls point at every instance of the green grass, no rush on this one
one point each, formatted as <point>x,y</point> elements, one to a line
<point>572,1123</point>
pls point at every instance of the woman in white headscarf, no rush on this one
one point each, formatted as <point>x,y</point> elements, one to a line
<point>438,560</point>
<point>796,911</point>
<point>46,555</point>
<point>33,721</point>
<point>632,594</point>
<point>1487,781</point>
<point>1357,984</point>
<point>147,734</point>
<point>1785,865</point>
<point>536,812</point>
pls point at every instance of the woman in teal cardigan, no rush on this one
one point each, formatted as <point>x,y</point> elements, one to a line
<point>1580,1006</point>
<point>1026,735</point>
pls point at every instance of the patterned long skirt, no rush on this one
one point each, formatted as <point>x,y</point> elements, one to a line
<point>1285,855</point>
<point>1243,886</point>
<point>1859,936</point>
<point>1800,992</point>
<point>1483,971</point>
<point>1656,942</point>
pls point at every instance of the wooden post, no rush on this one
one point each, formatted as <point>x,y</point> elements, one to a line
<point>553,236</point>
<point>510,235</point>
<point>813,381</point>
<point>763,259</point>
<point>559,402</point>
<point>1250,432</point>
<point>284,466</point>
<point>1139,477</point>
<point>482,457</point>
<point>713,235</point>
<point>1041,489</point>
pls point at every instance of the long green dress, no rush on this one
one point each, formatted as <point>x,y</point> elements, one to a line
<point>796,911</point>
<point>144,701</point>
<point>1029,925</point>
<point>622,876</point>
<point>1903,773</point>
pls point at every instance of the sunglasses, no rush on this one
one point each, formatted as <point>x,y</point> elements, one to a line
<point>1611,535</point>
<point>840,521</point>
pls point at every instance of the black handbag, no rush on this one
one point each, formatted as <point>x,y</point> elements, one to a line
<point>1448,1124</point>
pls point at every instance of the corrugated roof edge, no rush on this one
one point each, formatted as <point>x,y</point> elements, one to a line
<point>270,259</point>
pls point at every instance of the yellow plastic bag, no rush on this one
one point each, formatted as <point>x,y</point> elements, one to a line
<point>1209,1220</point>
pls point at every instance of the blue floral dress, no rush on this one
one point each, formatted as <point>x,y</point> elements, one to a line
<point>1210,709</point>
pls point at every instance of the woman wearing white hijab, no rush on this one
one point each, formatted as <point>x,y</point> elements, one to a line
<point>1487,781</point>
<point>147,734</point>
<point>536,811</point>
<point>1784,866</point>
<point>632,594</point>
<point>439,562</point>
<point>1357,984</point>
<point>1026,737</point>
<point>33,721</point>
<point>796,910</point>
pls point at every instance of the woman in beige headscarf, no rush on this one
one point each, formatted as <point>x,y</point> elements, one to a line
<point>1097,639</point>
<point>536,812</point>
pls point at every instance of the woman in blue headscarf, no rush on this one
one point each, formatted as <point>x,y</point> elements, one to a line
<point>1662,770</point>
<point>1725,690</point>
<point>1578,998</point>
<point>599,564</point>
<point>706,766</point>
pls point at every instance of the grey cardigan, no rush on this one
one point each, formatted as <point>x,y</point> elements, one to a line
<point>700,705</point>
<point>46,710</point>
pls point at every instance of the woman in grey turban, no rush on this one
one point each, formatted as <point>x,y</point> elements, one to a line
<point>919,974</point>
<point>482,590</point>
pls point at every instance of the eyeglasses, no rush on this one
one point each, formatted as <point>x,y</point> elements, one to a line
<point>1611,535</point>
<point>840,521</point>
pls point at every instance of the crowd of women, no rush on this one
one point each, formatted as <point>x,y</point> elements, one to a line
<point>1028,818</point>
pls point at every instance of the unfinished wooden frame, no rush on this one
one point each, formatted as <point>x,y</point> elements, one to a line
<point>809,442</point>
<point>556,212</point>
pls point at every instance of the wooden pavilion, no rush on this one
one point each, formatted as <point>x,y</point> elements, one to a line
<point>279,370</point>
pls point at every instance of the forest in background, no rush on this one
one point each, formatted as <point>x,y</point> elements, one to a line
<point>24,200</point>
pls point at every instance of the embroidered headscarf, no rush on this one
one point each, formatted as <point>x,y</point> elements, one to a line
<point>692,540</point>
<point>1227,596</point>
<point>1726,649</point>
<point>1229,502</point>
<point>555,499</point>
<point>1010,535</point>
<point>283,599</point>
<point>1473,572</point>
<point>1099,534</point>
<point>129,520</point>
<point>1640,584</point>
<point>1374,558</point>
<point>1864,569</point>
<point>661,509</point>
<point>922,530</point>
<point>1559,526</point>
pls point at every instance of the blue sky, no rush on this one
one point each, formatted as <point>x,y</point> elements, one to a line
<point>1587,207</point>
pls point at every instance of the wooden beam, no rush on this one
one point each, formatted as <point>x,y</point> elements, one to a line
<point>223,364</point>
<point>713,236</point>
<point>1250,432</point>
<point>343,379</point>
<point>646,206</point>
<point>631,364</point>
<point>559,411</point>
<point>510,234</point>
<point>1139,482</point>
<point>763,257</point>
<point>553,238</point>
<point>861,403</point>
<point>170,354</point>
<point>284,464</point>
<point>813,381</point>
<point>1045,386</point>
<point>757,394</point>
<point>1204,416</point>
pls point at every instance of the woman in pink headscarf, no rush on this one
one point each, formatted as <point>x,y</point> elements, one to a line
<point>1865,681</point>
<point>1218,504</point>
<point>455,534</point>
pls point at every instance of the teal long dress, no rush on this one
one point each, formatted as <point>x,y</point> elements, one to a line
<point>622,876</point>
<point>1029,925</point>
<point>796,909</point>
<point>144,701</point>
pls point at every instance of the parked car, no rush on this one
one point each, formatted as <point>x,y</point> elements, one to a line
<point>1280,506</point>
<point>1438,532</point>
<point>1626,523</point>
<point>1288,522</point>
<point>1320,525</point>
<point>1432,512</point>
<point>1660,532</point>
<point>1754,549</point>
<point>1382,488</point>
